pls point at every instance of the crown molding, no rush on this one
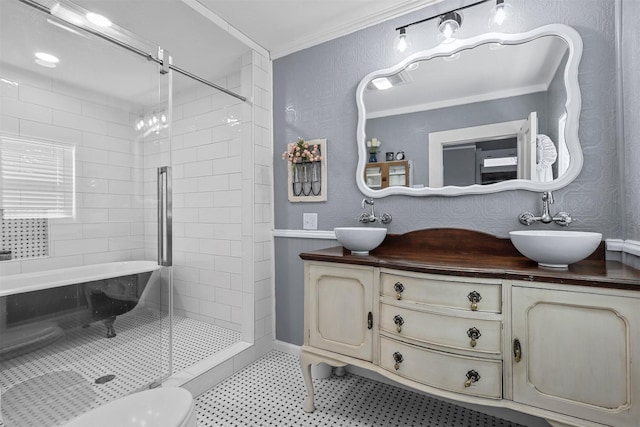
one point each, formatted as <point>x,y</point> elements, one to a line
<point>299,43</point>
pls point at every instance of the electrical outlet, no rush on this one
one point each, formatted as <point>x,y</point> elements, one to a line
<point>309,221</point>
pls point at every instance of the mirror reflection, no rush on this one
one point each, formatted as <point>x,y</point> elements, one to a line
<point>482,115</point>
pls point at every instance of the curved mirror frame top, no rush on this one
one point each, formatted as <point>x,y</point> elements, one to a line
<point>570,119</point>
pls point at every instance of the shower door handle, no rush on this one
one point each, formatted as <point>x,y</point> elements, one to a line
<point>165,218</point>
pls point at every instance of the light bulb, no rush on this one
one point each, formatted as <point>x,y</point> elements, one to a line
<point>402,44</point>
<point>448,29</point>
<point>499,13</point>
<point>449,25</point>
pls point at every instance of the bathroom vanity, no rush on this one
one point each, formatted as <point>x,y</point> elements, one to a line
<point>462,315</point>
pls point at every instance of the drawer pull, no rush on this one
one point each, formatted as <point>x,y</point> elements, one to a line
<point>399,321</point>
<point>472,377</point>
<point>398,359</point>
<point>517,350</point>
<point>474,334</point>
<point>399,288</point>
<point>475,298</point>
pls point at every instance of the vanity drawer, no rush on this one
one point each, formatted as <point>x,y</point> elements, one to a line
<point>446,291</point>
<point>466,333</point>
<point>442,370</point>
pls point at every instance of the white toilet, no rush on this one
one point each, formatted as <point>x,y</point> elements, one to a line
<point>158,407</point>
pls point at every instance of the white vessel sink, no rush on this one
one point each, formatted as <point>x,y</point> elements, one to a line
<point>556,249</point>
<point>360,240</point>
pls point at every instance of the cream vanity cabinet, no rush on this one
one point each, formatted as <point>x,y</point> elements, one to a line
<point>576,351</point>
<point>566,353</point>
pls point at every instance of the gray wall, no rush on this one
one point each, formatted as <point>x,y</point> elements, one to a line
<point>630,67</point>
<point>314,97</point>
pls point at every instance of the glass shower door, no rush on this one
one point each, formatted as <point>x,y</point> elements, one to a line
<point>84,127</point>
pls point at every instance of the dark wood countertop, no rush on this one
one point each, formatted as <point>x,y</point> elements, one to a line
<point>473,254</point>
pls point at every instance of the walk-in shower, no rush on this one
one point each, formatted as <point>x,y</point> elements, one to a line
<point>106,156</point>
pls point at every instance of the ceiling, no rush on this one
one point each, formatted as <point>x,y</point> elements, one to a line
<point>204,37</point>
<point>199,33</point>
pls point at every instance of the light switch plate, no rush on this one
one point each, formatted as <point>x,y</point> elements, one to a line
<point>309,221</point>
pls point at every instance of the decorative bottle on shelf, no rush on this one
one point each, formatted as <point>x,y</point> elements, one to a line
<point>372,157</point>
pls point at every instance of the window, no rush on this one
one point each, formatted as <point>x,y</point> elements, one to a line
<point>37,178</point>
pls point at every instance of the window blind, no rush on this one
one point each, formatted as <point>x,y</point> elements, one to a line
<point>37,178</point>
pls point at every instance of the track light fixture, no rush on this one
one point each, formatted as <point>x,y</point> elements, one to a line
<point>449,23</point>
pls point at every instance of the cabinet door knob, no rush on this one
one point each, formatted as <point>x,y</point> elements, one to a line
<point>474,334</point>
<point>399,288</point>
<point>370,320</point>
<point>517,350</point>
<point>472,377</point>
<point>399,321</point>
<point>397,357</point>
<point>475,298</point>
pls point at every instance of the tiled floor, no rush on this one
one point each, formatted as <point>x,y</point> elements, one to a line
<point>271,391</point>
<point>55,383</point>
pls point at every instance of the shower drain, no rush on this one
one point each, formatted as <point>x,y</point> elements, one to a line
<point>105,379</point>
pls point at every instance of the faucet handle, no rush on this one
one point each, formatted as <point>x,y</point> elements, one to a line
<point>563,219</point>
<point>364,217</point>
<point>386,218</point>
<point>527,218</point>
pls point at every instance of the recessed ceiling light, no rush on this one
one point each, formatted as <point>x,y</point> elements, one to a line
<point>382,83</point>
<point>99,20</point>
<point>46,59</point>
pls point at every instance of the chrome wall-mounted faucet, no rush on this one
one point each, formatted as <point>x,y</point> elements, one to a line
<point>561,218</point>
<point>371,217</point>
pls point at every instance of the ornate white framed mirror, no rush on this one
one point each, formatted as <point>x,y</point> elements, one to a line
<point>490,113</point>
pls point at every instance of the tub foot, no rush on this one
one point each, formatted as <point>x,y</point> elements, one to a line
<point>108,323</point>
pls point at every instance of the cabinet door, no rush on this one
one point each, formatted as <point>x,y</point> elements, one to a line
<point>339,310</point>
<point>576,354</point>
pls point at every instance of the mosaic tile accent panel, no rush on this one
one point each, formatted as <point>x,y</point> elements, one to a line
<point>25,237</point>
<point>271,391</point>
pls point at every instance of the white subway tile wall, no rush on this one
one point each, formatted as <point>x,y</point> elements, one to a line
<point>109,187</point>
<point>206,157</point>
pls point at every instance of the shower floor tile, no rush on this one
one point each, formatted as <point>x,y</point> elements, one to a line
<point>56,383</point>
<point>271,391</point>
